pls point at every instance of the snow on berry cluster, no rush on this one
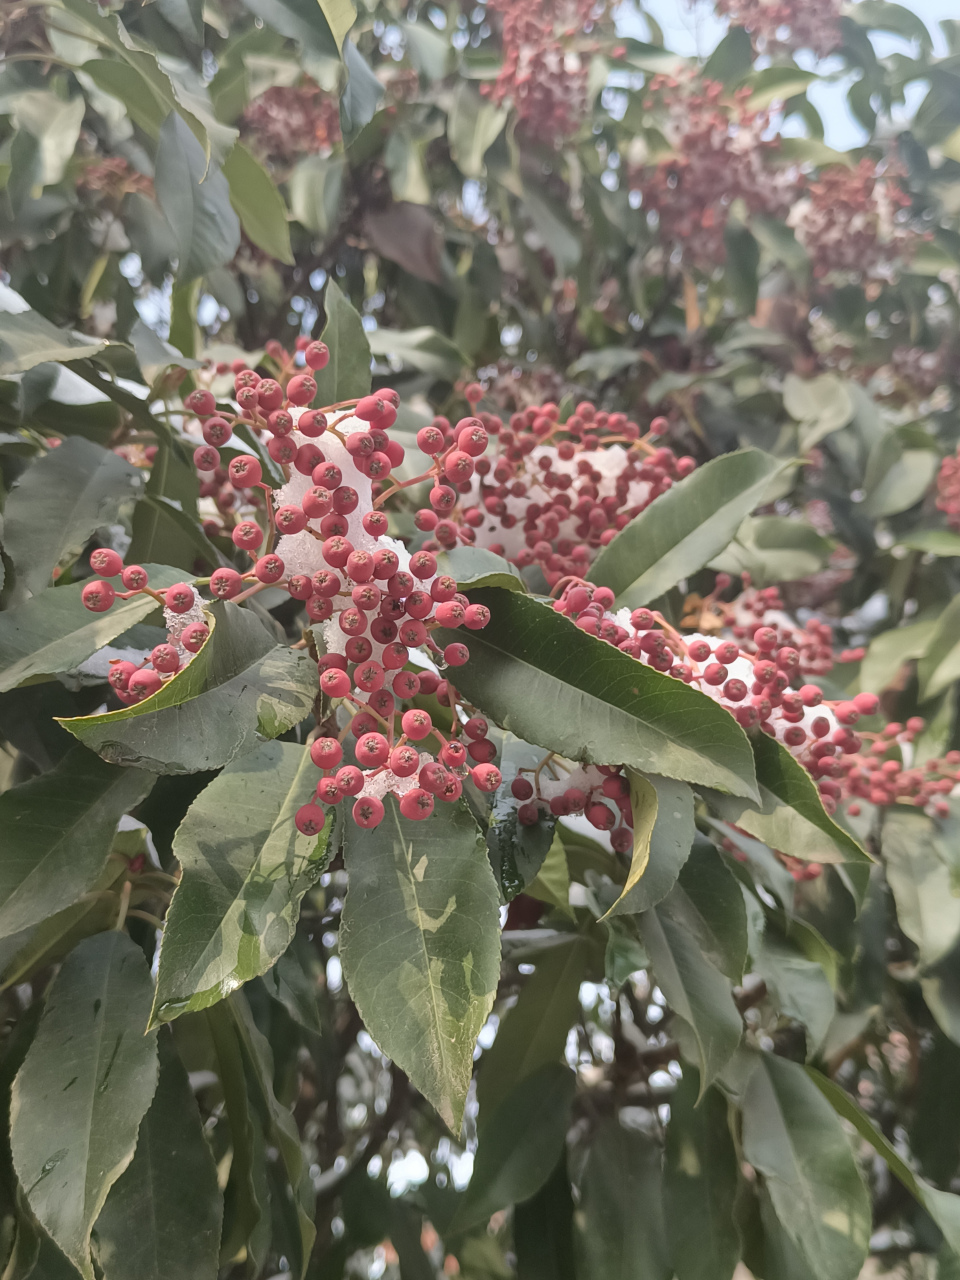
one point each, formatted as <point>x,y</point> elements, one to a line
<point>551,493</point>
<point>322,536</point>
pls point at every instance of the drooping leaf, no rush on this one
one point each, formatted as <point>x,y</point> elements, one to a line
<point>685,938</point>
<point>922,876</point>
<point>709,904</point>
<point>685,527</point>
<point>347,376</point>
<point>258,203</point>
<point>419,944</point>
<point>314,188</point>
<point>942,1206</point>
<point>58,503</point>
<point>27,339</point>
<point>196,201</point>
<point>799,987</point>
<point>239,689</point>
<point>622,1230</point>
<point>517,852</point>
<point>86,1083</point>
<point>424,349</point>
<point>539,676</point>
<point>700,1184</point>
<point>774,549</point>
<point>362,94</point>
<point>668,841</point>
<point>54,633</point>
<point>791,1137</point>
<point>245,870</point>
<point>278,1125</point>
<point>162,1216</point>
<point>792,818</point>
<point>821,406</point>
<point>520,1143</point>
<point>543,1230</point>
<point>534,1032</point>
<point>58,829</point>
<point>477,567</point>
<point>472,127</point>
<point>319,25</point>
<point>939,663</point>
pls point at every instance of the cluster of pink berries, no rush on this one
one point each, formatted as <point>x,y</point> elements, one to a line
<point>552,493</point>
<point>600,792</point>
<point>948,489</point>
<point>134,682</point>
<point>374,603</point>
<point>791,24</point>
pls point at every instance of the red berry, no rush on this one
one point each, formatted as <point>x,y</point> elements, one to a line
<point>105,562</point>
<point>528,815</point>
<point>335,683</point>
<point>98,596</point>
<point>417,724</point>
<point>486,777</point>
<point>165,658</point>
<point>417,804</point>
<point>317,355</point>
<point>521,788</point>
<point>134,577</point>
<point>206,458</point>
<point>309,819</point>
<point>247,535</point>
<point>290,520</point>
<point>301,389</point>
<point>455,655</point>
<point>244,471</point>
<point>350,780</point>
<point>194,637</point>
<point>143,684</point>
<point>201,402</point>
<point>372,750</point>
<point>326,753</point>
<point>225,584</point>
<point>368,812</point>
<point>269,568</point>
<point>179,598</point>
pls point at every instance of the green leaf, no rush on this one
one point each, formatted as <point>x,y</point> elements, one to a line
<point>939,663</point>
<point>776,84</point>
<point>196,201</point>
<point>904,482</point>
<point>539,676</point>
<point>163,530</point>
<point>519,1144</point>
<point>258,203</point>
<point>820,405</point>
<point>685,527</point>
<point>279,1126</point>
<point>28,339</point>
<point>774,549</point>
<point>922,875</point>
<point>58,829</point>
<point>622,1232</point>
<point>800,988</point>
<point>420,945</point>
<point>314,188</point>
<point>59,501</point>
<point>708,903</point>
<point>423,349</point>
<point>932,542</point>
<point>473,125</point>
<point>792,818</point>
<point>517,852</point>
<point>731,59</point>
<point>942,1207</point>
<point>477,567</point>
<point>347,376</point>
<point>86,1082</point>
<point>741,265</point>
<point>239,689</point>
<point>543,1230</point>
<point>162,1216</point>
<point>792,1138</point>
<point>663,830</point>
<point>53,632</point>
<point>534,1032</point>
<point>363,92</point>
<point>245,871</point>
<point>155,83</point>
<point>891,649</point>
<point>700,1177</point>
<point>319,25</point>
<point>694,988</point>
<point>429,51</point>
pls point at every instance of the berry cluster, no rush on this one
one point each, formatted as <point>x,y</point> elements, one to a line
<point>948,489</point>
<point>543,78</point>
<point>552,493</point>
<point>114,177</point>
<point>323,538</point>
<point>789,24</point>
<point>854,223</point>
<point>721,153</point>
<point>285,123</point>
